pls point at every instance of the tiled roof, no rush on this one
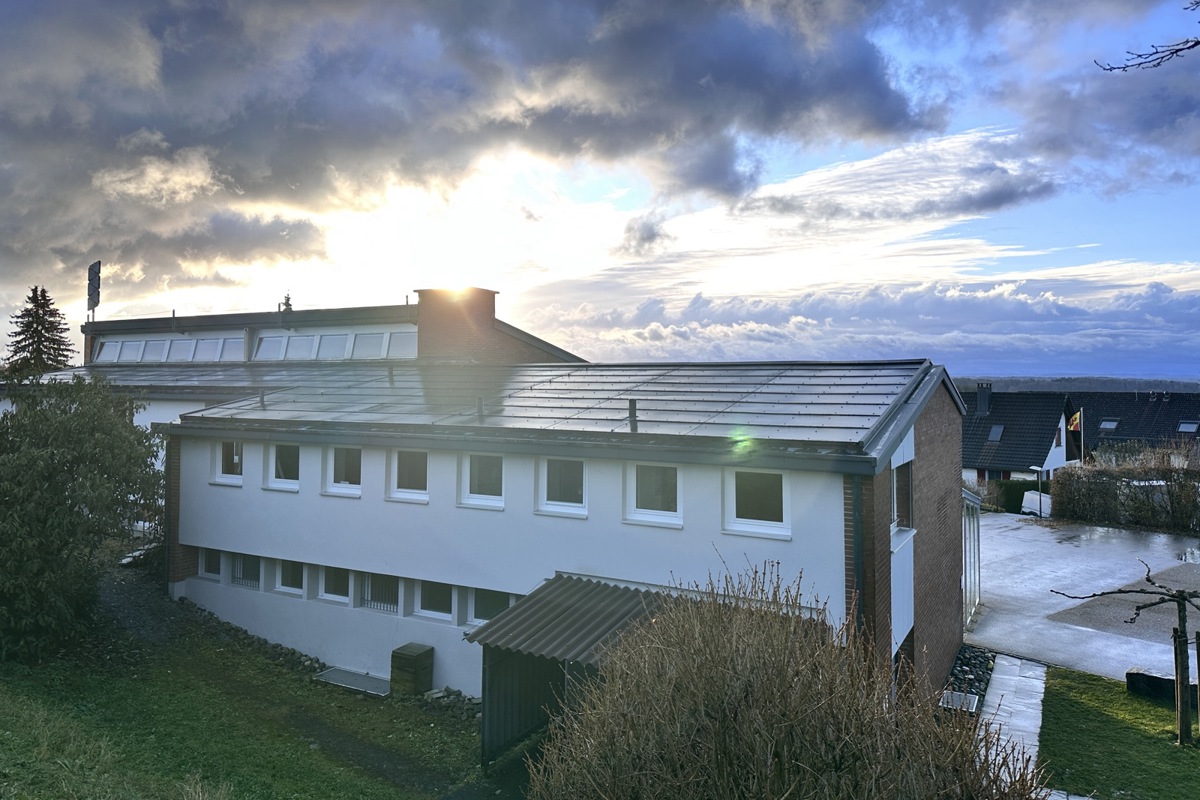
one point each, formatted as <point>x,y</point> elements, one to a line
<point>1140,416</point>
<point>827,408</point>
<point>1029,420</point>
<point>567,618</point>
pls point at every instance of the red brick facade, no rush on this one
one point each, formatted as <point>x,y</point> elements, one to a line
<point>182,560</point>
<point>930,496</point>
<point>938,553</point>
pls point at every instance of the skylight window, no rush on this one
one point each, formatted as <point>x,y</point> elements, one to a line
<point>996,432</point>
<point>1189,426</point>
<point>1109,424</point>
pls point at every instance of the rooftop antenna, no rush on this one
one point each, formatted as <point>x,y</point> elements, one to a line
<point>93,289</point>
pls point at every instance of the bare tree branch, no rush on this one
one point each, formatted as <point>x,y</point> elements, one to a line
<point>1158,55</point>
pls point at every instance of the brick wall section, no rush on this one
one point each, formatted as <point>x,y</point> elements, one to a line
<point>461,326</point>
<point>182,560</point>
<point>875,593</point>
<point>937,517</point>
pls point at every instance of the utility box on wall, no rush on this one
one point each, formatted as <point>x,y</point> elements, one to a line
<point>412,669</point>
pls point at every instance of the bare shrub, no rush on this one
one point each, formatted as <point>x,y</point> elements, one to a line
<point>1131,484</point>
<point>735,691</point>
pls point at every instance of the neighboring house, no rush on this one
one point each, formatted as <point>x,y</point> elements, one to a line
<point>1149,418</point>
<point>368,511</point>
<point>1008,435</point>
<point>180,364</point>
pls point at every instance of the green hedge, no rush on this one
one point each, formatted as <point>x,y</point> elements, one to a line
<point>1011,494</point>
<point>1148,497</point>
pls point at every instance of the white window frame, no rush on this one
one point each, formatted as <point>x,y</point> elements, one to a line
<point>405,495</point>
<point>131,351</point>
<point>202,566</point>
<point>296,590</point>
<point>366,581</point>
<point>183,350</point>
<point>269,479</point>
<point>756,527</point>
<point>330,340</point>
<point>471,617</point>
<point>466,498</point>
<point>560,508</point>
<point>650,516</point>
<point>107,352</point>
<point>335,598</point>
<point>243,581</point>
<point>219,475</point>
<point>205,344</point>
<point>341,489</point>
<point>359,344</point>
<point>147,351</point>
<point>418,591</point>
<point>265,348</point>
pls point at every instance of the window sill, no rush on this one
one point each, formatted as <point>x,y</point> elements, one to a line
<point>333,599</point>
<point>482,505</point>
<point>781,534</point>
<point>650,522</point>
<point>294,488</point>
<point>569,513</point>
<point>433,616</point>
<point>419,499</point>
<point>332,492</point>
<point>901,537</point>
<point>226,480</point>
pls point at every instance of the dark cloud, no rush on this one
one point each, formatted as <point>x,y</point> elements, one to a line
<point>644,235</point>
<point>982,185</point>
<point>124,122</point>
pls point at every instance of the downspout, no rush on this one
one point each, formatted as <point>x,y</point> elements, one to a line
<point>856,515</point>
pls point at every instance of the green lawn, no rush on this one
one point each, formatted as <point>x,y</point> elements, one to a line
<point>209,716</point>
<point>1097,738</point>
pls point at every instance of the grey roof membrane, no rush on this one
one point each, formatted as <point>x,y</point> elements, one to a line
<point>834,403</point>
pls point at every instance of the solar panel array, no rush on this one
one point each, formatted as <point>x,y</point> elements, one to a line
<point>808,402</point>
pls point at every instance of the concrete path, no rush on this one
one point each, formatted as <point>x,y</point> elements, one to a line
<point>1023,559</point>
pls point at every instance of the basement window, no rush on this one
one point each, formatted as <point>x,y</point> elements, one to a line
<point>335,584</point>
<point>247,570</point>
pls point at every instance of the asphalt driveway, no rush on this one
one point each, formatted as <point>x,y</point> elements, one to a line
<point>1024,558</point>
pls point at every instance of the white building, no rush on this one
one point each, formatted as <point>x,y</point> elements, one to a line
<point>350,517</point>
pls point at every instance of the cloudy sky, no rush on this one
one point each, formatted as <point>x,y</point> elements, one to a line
<point>668,180</point>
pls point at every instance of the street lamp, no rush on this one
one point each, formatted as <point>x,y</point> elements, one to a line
<point>1038,470</point>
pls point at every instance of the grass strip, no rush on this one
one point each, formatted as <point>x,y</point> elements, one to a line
<point>1097,739</point>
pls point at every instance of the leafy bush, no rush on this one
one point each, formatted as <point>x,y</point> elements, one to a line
<point>74,470</point>
<point>735,691</point>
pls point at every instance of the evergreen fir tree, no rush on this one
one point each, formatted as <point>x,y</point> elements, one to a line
<point>39,339</point>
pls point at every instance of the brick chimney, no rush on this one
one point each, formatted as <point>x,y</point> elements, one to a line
<point>983,400</point>
<point>456,324</point>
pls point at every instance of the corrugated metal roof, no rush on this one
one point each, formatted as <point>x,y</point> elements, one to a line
<point>837,403</point>
<point>567,618</point>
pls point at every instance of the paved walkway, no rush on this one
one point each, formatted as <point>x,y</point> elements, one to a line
<point>1023,559</point>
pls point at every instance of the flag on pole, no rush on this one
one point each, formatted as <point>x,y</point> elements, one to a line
<point>1073,425</point>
